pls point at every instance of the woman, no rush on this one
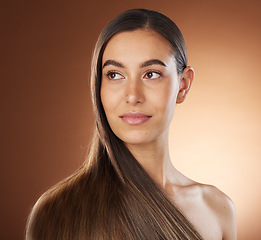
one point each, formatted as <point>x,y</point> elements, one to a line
<point>128,188</point>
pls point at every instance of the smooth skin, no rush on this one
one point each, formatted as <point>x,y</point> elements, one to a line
<point>139,75</point>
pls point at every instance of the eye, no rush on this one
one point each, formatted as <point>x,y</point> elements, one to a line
<point>114,75</point>
<point>152,75</point>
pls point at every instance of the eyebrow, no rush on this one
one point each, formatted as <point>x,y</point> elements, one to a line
<point>153,62</point>
<point>113,63</point>
<point>145,64</point>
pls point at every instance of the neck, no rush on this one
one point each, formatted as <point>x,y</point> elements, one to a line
<point>155,159</point>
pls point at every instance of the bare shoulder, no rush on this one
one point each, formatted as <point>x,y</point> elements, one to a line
<point>218,201</point>
<point>210,211</point>
<point>223,208</point>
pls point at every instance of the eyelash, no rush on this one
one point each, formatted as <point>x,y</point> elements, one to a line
<point>153,71</point>
<point>108,74</point>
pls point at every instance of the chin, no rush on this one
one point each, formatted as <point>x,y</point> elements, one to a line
<point>136,138</point>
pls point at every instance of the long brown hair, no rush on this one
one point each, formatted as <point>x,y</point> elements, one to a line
<point>112,196</point>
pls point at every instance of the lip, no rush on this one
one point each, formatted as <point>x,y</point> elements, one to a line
<point>135,118</point>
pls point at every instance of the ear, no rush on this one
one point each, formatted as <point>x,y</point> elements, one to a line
<point>186,80</point>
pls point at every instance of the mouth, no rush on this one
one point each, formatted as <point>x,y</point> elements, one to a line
<point>135,118</point>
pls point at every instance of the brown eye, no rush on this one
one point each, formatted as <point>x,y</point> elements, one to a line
<point>114,76</point>
<point>152,75</point>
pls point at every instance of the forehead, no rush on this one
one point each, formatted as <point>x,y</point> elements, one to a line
<point>137,44</point>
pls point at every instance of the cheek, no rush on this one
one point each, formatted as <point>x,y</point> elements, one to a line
<point>166,100</point>
<point>166,103</point>
<point>104,99</point>
<point>109,100</point>
<point>105,96</point>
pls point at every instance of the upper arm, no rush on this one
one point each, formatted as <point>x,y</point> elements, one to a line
<point>229,220</point>
<point>223,210</point>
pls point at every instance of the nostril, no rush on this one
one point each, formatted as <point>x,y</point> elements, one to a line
<point>133,99</point>
<point>134,93</point>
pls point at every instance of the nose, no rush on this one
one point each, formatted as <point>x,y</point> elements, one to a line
<point>134,92</point>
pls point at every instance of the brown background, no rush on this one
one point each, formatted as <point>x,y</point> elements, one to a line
<point>46,117</point>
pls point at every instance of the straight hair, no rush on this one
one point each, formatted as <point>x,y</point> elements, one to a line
<point>111,196</point>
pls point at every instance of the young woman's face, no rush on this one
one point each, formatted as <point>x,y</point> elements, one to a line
<point>139,86</point>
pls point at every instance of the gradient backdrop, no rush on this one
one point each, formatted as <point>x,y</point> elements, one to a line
<point>46,117</point>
